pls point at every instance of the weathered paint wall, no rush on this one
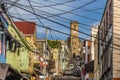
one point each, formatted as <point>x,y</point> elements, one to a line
<point>20,62</point>
<point>24,57</point>
<point>116,52</point>
<point>55,52</point>
<point>13,59</point>
<point>30,40</point>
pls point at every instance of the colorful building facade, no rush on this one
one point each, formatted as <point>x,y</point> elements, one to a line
<point>28,29</point>
<point>15,49</point>
<point>2,39</point>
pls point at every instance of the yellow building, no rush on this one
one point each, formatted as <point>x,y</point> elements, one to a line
<point>74,40</point>
<point>55,46</point>
<point>55,52</point>
<point>29,31</point>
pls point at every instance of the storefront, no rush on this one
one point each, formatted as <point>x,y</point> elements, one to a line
<point>89,68</point>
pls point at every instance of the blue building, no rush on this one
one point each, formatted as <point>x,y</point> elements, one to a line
<point>3,26</point>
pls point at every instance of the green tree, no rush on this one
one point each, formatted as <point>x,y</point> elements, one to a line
<point>54,43</point>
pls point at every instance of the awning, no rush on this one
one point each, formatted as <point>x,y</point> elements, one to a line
<point>89,67</point>
<point>6,72</point>
<point>3,71</point>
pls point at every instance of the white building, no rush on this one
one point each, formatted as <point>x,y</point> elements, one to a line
<point>94,31</point>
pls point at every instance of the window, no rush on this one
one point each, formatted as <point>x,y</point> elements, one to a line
<point>74,26</point>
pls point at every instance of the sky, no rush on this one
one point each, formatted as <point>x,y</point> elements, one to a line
<point>61,12</point>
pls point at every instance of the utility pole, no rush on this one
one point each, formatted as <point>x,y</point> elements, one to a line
<point>45,53</point>
<point>58,62</point>
<point>63,59</point>
<point>86,51</point>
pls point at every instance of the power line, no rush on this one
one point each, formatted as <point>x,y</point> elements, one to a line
<point>91,10</point>
<point>65,33</point>
<point>84,25</point>
<point>109,31</point>
<point>51,35</point>
<point>62,17</point>
<point>56,35</point>
<point>81,6</point>
<point>106,31</point>
<point>81,9</point>
<point>15,2</point>
<point>35,13</point>
<point>22,39</point>
<point>66,12</point>
<point>63,24</point>
<point>54,4</point>
<point>39,19</point>
<point>70,12</point>
<point>54,15</point>
<point>17,12</point>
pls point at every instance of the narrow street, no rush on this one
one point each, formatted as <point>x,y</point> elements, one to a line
<point>59,39</point>
<point>67,77</point>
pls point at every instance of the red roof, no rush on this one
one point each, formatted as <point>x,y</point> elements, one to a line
<point>26,27</point>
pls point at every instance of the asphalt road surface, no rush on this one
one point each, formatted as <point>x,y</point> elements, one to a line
<point>67,77</point>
